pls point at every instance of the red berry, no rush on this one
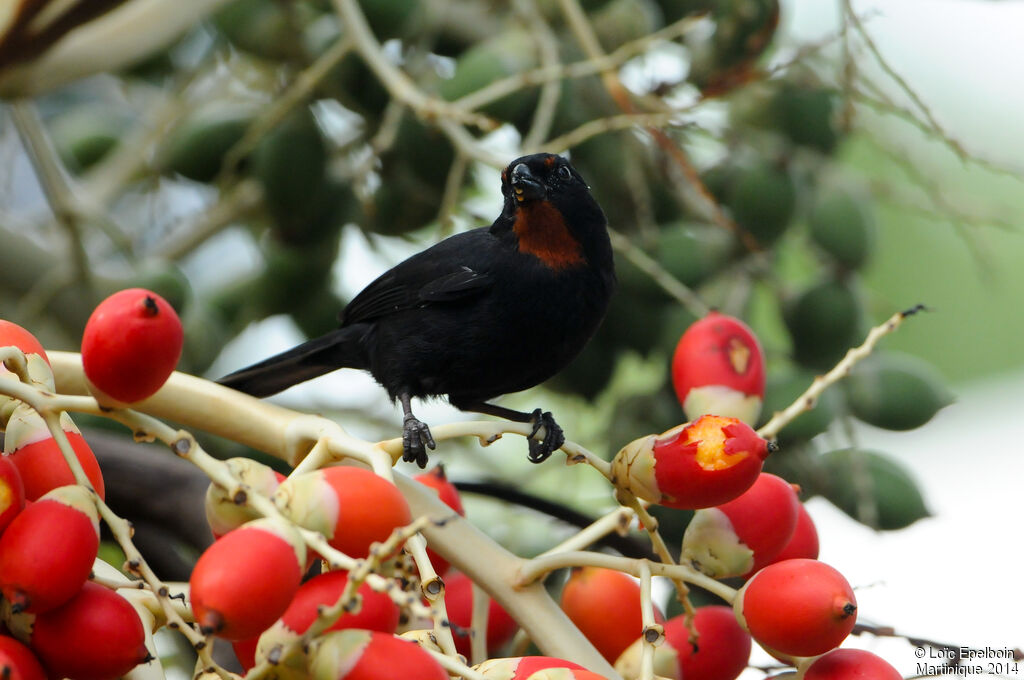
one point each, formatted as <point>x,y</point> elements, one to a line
<point>12,493</point>
<point>697,465</point>
<point>97,635</point>
<point>591,595</point>
<point>47,552</point>
<point>376,612</point>
<point>521,667</point>
<point>370,655</point>
<point>245,581</point>
<point>245,652</point>
<point>351,506</point>
<point>743,535</point>
<point>850,664</point>
<point>17,662</point>
<point>35,453</point>
<point>449,495</point>
<point>804,542</point>
<point>131,344</point>
<point>13,335</point>
<point>798,607</point>
<point>718,367</point>
<point>458,601</point>
<point>723,648</point>
<point>39,370</point>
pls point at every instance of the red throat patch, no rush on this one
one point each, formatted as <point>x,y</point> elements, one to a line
<point>542,233</point>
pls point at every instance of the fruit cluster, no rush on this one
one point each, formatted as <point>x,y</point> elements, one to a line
<point>746,524</point>
<point>249,588</point>
<point>57,623</point>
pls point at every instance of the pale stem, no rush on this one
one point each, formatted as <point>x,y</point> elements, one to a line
<point>432,587</point>
<point>538,567</point>
<point>809,398</point>
<point>658,543</point>
<point>455,667</point>
<point>653,633</point>
<point>200,404</point>
<point>478,626</point>
<point>617,520</point>
<point>488,432</point>
<point>14,361</point>
<point>317,457</point>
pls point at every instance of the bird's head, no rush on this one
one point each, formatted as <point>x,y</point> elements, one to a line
<point>539,177</point>
<point>551,210</point>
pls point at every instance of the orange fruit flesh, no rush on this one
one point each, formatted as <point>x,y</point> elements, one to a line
<point>709,436</point>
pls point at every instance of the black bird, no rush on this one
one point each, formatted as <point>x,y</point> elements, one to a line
<point>483,313</point>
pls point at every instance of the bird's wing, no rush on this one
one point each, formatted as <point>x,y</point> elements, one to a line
<point>427,278</point>
<point>459,284</point>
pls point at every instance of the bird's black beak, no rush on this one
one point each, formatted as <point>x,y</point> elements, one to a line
<point>525,184</point>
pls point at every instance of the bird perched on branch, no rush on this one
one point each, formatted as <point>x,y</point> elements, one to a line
<point>483,313</point>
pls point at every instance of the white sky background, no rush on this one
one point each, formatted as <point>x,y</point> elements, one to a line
<point>955,577</point>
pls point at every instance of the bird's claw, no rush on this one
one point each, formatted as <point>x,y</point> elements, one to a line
<point>416,439</point>
<point>541,450</point>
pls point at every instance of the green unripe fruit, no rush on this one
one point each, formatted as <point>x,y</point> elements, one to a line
<point>762,200</point>
<point>503,55</point>
<point>390,18</point>
<point>896,392</point>
<point>692,251</point>
<point>196,148</point>
<point>294,273</point>
<point>808,116</point>
<point>843,225</point>
<point>291,164</point>
<point>633,322</point>
<point>621,21</point>
<point>85,134</point>
<point>873,489</point>
<point>824,322</point>
<point>259,27</point>
<point>588,374</point>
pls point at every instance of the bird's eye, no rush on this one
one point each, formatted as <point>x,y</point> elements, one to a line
<point>564,172</point>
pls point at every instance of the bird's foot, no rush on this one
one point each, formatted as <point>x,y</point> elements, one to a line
<point>541,449</point>
<point>416,439</point>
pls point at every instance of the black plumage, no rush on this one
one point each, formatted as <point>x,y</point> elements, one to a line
<point>482,313</point>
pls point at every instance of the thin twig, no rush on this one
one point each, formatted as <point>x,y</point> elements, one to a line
<point>242,198</point>
<point>55,185</point>
<point>669,283</point>
<point>902,83</point>
<point>397,83</point>
<point>550,92</point>
<point>808,399</point>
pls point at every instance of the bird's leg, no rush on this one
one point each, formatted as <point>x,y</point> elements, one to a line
<point>542,447</point>
<point>416,437</point>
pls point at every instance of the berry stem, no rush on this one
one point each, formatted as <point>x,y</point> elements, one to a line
<point>807,400</point>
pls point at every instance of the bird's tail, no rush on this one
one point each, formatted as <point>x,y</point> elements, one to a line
<point>341,348</point>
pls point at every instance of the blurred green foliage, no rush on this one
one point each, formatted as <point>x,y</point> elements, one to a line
<point>801,241</point>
